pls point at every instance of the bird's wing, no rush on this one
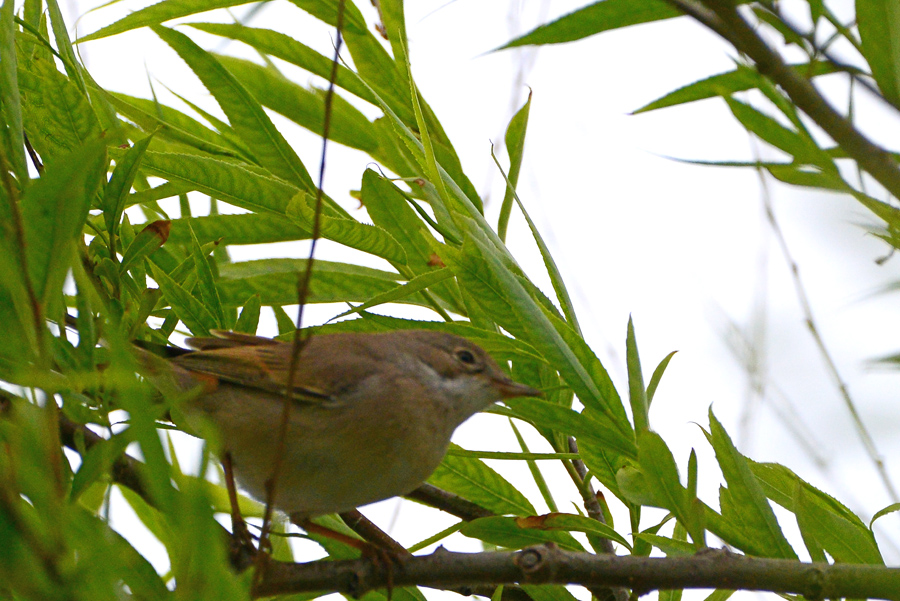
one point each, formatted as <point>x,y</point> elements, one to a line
<point>257,365</point>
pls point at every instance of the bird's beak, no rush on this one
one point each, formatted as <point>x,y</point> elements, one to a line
<point>509,389</point>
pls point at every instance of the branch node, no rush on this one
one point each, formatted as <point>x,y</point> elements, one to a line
<point>530,560</point>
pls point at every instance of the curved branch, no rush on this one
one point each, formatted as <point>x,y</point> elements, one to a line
<point>722,17</point>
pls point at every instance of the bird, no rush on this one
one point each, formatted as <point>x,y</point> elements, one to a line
<point>371,414</point>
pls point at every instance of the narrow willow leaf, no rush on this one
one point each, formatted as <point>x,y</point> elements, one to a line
<point>892,508</point>
<point>58,117</point>
<point>559,286</point>
<point>54,209</point>
<point>797,176</point>
<point>246,228</point>
<point>636,392</point>
<point>327,11</point>
<point>159,13</point>
<point>661,474</point>
<point>744,502</point>
<point>189,309</point>
<point>290,50</point>
<point>153,236</point>
<point>669,546</point>
<point>226,181</point>
<point>248,322</point>
<point>151,195</point>
<point>725,84</point>
<point>10,102</point>
<point>461,202</point>
<point>174,125</point>
<point>349,232</point>
<point>802,148</point>
<point>583,427</point>
<point>275,280</point>
<point>389,208</point>
<point>97,462</point>
<point>596,18</point>
<point>507,532</point>
<point>64,45</point>
<point>472,479</point>
<point>515,146</point>
<point>305,107</point>
<point>657,376</point>
<point>879,32</point>
<point>244,112</point>
<point>119,186</point>
<point>403,291</point>
<point>572,523</point>
<point>779,484</point>
<point>481,268</point>
<point>843,539</point>
<point>206,283</point>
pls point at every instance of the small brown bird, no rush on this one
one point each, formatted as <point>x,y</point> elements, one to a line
<point>371,418</point>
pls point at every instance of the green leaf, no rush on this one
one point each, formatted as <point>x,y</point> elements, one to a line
<point>515,146</point>
<point>11,132</point>
<point>725,84</point>
<point>153,236</point>
<point>472,479</point>
<point>159,13</point>
<point>97,462</point>
<point>743,502</point>
<point>892,508</point>
<point>637,393</point>
<point>248,322</point>
<point>583,426</point>
<point>572,523</point>
<point>513,533</point>
<point>244,112</point>
<point>290,50</point>
<point>64,45</point>
<point>225,181</point>
<point>843,539</point>
<point>174,125</point>
<point>305,107</point>
<point>879,32</point>
<point>349,232</point>
<point>116,193</point>
<point>54,209</point>
<point>246,228</point>
<point>801,147</point>
<point>559,287</point>
<point>661,474</point>
<point>275,280</point>
<point>669,546</point>
<point>596,18</point>
<point>484,270</point>
<point>206,283</point>
<point>286,325</point>
<point>57,115</point>
<point>779,483</point>
<point>187,307</point>
<point>657,376</point>
<point>401,292</point>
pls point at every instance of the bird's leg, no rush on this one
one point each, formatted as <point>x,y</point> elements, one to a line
<point>242,548</point>
<point>382,550</point>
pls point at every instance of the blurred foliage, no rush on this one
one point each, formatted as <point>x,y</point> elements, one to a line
<point>81,278</point>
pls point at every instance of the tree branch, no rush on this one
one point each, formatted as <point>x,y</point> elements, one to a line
<point>722,17</point>
<point>712,569</point>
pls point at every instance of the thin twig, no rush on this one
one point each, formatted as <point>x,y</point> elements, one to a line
<point>302,294</point>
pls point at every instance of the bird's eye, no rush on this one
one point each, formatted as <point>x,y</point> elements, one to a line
<point>466,356</point>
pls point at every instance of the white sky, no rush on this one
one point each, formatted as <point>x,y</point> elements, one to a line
<point>684,249</point>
